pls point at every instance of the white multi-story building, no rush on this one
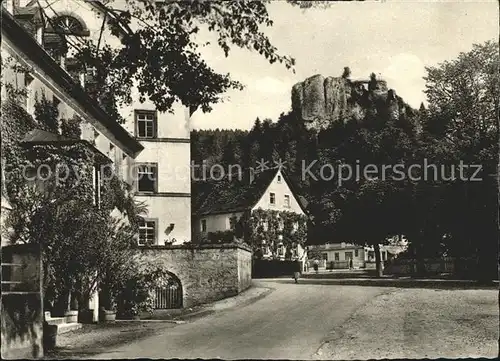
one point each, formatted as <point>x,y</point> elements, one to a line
<point>161,174</point>
<point>28,67</point>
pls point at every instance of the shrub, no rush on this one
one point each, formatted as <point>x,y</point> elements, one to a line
<point>136,292</point>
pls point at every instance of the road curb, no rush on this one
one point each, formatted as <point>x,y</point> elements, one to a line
<point>152,320</point>
<point>193,315</point>
<point>256,298</point>
<point>212,308</point>
<point>209,309</point>
<point>405,283</point>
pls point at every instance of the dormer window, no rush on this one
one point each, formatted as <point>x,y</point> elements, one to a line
<point>69,25</point>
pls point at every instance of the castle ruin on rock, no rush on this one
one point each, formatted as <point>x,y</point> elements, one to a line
<point>322,101</point>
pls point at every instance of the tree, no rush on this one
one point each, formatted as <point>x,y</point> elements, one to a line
<point>161,55</point>
<point>363,210</point>
<point>78,240</point>
<point>228,155</point>
<point>462,114</point>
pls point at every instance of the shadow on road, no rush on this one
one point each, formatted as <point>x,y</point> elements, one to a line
<point>98,339</point>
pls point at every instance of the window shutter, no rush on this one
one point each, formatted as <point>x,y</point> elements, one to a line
<point>132,173</point>
<point>155,125</point>
<point>136,123</point>
<point>156,233</point>
<point>155,172</point>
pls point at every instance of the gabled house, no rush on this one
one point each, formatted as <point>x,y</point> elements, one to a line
<point>261,208</point>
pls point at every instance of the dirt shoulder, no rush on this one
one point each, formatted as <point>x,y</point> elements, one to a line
<point>410,323</point>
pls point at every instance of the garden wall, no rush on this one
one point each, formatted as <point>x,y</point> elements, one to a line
<point>21,306</point>
<point>449,265</point>
<point>207,272</point>
<point>263,268</point>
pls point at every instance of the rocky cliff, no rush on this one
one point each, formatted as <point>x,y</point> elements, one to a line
<point>322,101</point>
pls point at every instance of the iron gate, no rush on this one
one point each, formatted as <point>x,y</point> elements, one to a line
<point>168,297</point>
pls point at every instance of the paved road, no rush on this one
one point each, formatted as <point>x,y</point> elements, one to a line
<point>327,321</point>
<point>289,323</point>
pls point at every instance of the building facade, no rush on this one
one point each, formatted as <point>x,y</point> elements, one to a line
<point>226,202</point>
<point>29,69</point>
<point>339,255</point>
<point>161,173</point>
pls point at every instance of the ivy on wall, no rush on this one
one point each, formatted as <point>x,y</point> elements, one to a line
<point>82,244</point>
<point>264,227</point>
<point>268,225</point>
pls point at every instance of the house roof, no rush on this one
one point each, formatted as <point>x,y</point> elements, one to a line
<point>334,246</point>
<point>33,51</point>
<point>39,136</point>
<point>234,195</point>
<point>42,136</point>
<point>349,246</point>
<point>27,11</point>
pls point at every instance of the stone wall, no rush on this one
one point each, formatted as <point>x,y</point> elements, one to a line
<point>207,272</point>
<point>432,266</point>
<point>244,269</point>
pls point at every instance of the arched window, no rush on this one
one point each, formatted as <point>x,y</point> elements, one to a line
<point>69,25</point>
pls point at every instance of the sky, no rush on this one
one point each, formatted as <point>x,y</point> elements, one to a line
<point>396,39</point>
